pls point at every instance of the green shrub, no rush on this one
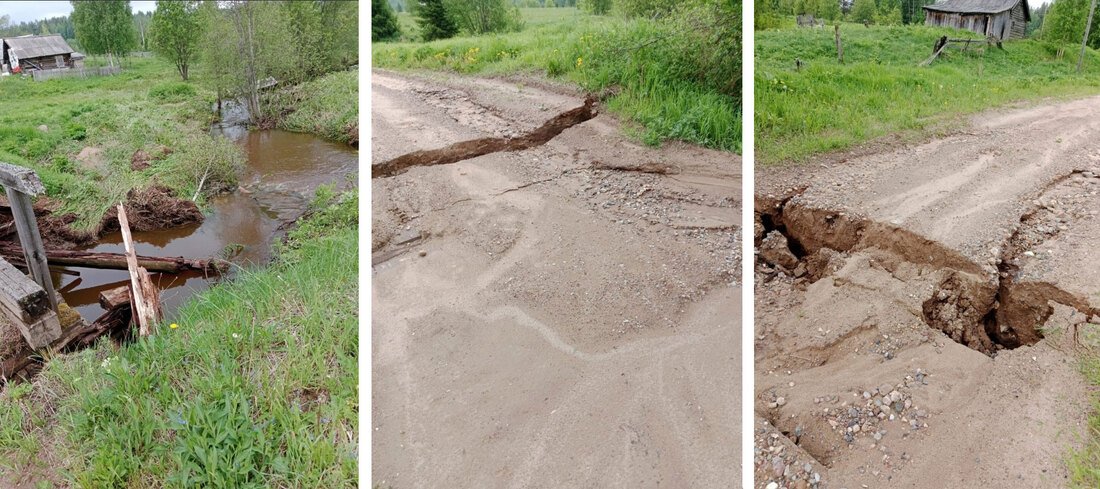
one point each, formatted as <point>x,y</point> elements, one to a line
<point>172,92</point>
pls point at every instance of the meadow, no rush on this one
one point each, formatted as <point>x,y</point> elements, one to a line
<point>825,106</point>
<point>650,71</point>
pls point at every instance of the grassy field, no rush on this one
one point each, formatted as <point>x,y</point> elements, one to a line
<point>648,63</point>
<point>146,107</point>
<point>256,387</point>
<point>880,90</point>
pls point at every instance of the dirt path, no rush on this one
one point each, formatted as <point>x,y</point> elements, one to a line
<point>567,315</point>
<point>916,309</point>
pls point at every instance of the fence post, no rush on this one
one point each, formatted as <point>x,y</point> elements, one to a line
<point>21,184</point>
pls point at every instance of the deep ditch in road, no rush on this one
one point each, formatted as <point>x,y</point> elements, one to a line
<point>984,311</point>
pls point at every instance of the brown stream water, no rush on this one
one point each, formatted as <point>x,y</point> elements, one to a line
<point>283,171</point>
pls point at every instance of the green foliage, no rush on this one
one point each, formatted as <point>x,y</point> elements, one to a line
<point>863,11</point>
<point>383,22</point>
<point>1065,23</point>
<point>172,92</point>
<point>647,8</point>
<point>677,76</point>
<point>327,106</point>
<point>880,90</point>
<point>435,20</point>
<point>595,7</point>
<point>104,26</point>
<point>484,16</point>
<point>175,32</point>
<point>888,15</point>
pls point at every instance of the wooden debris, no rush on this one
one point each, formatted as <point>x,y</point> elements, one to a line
<point>117,261</point>
<point>145,304</point>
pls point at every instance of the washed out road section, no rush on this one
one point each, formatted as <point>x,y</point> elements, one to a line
<point>544,319</point>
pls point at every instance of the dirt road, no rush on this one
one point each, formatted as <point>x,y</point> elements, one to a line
<point>563,316</point>
<point>916,309</point>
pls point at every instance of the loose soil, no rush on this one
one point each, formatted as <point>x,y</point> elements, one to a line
<point>547,316</point>
<point>919,312</point>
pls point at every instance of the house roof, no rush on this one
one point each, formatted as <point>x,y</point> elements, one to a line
<point>37,46</point>
<point>978,6</point>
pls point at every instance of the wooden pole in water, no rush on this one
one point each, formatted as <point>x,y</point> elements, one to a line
<point>1085,39</point>
<point>143,314</point>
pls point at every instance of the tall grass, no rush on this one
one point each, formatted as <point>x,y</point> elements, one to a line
<point>880,90</point>
<point>327,106</point>
<point>649,64</point>
<point>257,387</point>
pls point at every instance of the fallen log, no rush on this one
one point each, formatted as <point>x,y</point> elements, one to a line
<point>117,261</point>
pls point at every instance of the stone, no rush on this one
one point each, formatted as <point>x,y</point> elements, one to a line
<point>44,128</point>
<point>774,249</point>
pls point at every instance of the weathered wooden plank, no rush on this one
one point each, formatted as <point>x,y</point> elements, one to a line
<point>23,299</point>
<point>116,297</point>
<point>22,179</point>
<point>41,332</point>
<point>144,316</point>
<point>27,228</point>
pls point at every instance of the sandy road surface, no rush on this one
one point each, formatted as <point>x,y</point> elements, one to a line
<point>916,308</point>
<point>542,320</point>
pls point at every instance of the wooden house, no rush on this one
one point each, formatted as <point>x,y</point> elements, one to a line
<point>1000,19</point>
<point>30,53</point>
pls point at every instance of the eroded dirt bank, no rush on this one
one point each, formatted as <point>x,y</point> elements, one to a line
<point>565,315</point>
<point>919,312</point>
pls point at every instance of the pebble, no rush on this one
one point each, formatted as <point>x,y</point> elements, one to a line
<point>780,401</point>
<point>423,253</point>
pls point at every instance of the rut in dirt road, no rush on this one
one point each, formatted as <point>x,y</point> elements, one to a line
<point>984,313</point>
<point>479,147</point>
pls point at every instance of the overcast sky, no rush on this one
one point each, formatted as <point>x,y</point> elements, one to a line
<point>24,11</point>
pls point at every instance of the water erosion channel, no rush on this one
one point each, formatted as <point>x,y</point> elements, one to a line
<point>283,171</point>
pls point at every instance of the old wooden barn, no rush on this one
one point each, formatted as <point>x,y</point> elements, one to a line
<point>37,53</point>
<point>1001,19</point>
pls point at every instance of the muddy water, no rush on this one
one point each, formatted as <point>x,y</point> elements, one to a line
<point>283,171</point>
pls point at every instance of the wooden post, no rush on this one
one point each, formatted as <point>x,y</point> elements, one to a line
<point>139,280</point>
<point>839,48</point>
<point>21,184</point>
<point>1085,39</point>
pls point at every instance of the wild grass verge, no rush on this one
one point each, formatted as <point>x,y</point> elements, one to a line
<point>327,106</point>
<point>256,387</point>
<point>1084,464</point>
<point>879,90</point>
<point>675,78</point>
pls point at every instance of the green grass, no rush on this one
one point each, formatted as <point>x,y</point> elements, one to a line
<point>1084,464</point>
<point>648,63</point>
<point>256,388</point>
<point>146,107</point>
<point>880,90</point>
<point>327,106</point>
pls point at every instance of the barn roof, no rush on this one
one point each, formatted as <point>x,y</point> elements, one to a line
<point>978,6</point>
<point>38,46</point>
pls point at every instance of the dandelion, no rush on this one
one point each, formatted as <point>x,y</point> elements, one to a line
<point>580,62</point>
<point>174,326</point>
<point>236,336</point>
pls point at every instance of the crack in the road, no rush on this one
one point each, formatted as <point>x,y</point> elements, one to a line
<point>982,314</point>
<point>479,147</point>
